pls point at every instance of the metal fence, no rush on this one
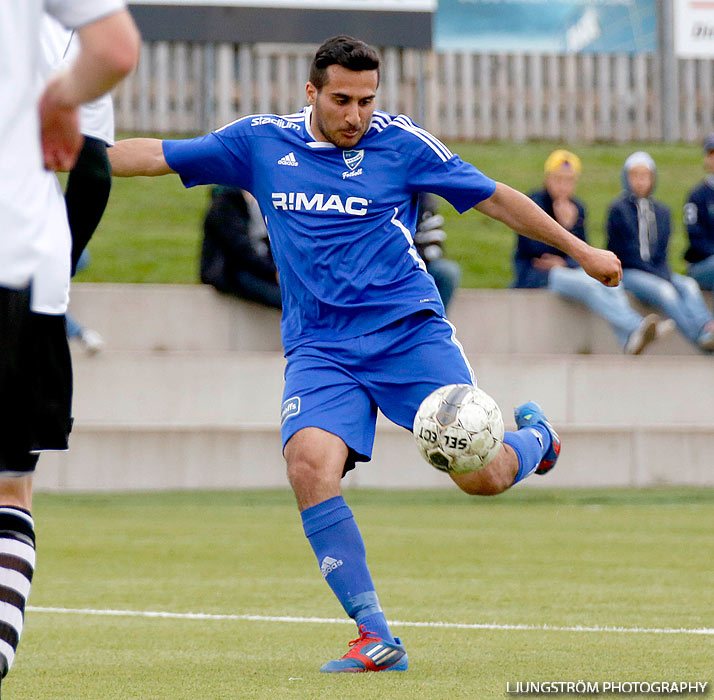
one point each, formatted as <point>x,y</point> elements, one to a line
<point>184,88</point>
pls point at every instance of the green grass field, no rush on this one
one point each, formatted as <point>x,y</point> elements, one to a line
<point>151,230</point>
<point>581,559</point>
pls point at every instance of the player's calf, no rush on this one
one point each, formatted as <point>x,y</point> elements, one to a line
<point>494,478</point>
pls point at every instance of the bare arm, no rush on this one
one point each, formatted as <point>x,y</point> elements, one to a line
<point>524,216</point>
<point>109,50</point>
<point>132,157</point>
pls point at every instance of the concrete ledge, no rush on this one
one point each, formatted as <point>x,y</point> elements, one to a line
<point>161,317</point>
<point>196,318</point>
<point>536,321</point>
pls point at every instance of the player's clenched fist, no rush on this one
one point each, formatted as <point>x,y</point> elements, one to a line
<point>603,265</point>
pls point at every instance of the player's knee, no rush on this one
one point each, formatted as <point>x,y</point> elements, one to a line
<point>314,456</point>
<point>301,468</point>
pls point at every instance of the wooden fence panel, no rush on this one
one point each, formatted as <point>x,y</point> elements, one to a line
<point>623,99</point>
<point>534,96</point>
<point>179,60</point>
<point>390,78</point>
<point>485,99</point>
<point>432,113</point>
<point>640,91</point>
<point>225,82</point>
<point>604,103</point>
<point>688,100</point>
<point>450,82</point>
<point>586,100</point>
<point>518,98</point>
<point>552,100</point>
<point>501,94</point>
<point>468,97</point>
<point>570,94</point>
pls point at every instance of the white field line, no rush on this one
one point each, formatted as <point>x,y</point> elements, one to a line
<point>396,623</point>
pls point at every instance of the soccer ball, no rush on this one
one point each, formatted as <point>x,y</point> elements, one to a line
<point>458,429</point>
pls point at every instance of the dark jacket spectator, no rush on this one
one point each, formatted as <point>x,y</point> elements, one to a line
<point>527,250</point>
<point>235,256</point>
<point>699,220</point>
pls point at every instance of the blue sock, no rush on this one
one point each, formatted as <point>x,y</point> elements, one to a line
<point>332,531</point>
<point>530,445</point>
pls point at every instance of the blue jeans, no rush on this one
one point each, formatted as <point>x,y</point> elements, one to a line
<point>246,285</point>
<point>703,272</point>
<point>72,326</point>
<point>447,275</point>
<point>609,302</point>
<point>681,299</point>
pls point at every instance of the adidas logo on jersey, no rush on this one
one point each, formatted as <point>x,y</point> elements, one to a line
<point>289,159</point>
<point>329,565</point>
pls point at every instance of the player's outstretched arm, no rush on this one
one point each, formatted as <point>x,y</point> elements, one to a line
<point>524,216</point>
<point>132,157</point>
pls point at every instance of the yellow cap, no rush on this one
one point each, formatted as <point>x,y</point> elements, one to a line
<point>562,157</point>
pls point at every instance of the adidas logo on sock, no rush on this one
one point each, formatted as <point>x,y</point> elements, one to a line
<point>289,159</point>
<point>329,565</point>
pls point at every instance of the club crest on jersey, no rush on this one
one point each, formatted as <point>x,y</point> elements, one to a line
<point>353,158</point>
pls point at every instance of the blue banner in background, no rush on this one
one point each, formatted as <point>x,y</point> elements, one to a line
<point>556,26</point>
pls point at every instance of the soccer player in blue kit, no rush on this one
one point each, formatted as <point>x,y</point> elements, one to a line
<point>363,326</point>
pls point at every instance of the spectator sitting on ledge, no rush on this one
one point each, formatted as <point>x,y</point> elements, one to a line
<point>699,220</point>
<point>538,265</point>
<point>235,256</point>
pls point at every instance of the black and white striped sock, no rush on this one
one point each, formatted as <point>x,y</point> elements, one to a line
<point>17,564</point>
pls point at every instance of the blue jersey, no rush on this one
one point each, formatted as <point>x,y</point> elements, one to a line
<point>340,221</point>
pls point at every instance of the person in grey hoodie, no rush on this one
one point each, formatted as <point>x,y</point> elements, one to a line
<point>638,230</point>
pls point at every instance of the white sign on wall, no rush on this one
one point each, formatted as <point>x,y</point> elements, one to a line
<point>694,28</point>
<point>392,5</point>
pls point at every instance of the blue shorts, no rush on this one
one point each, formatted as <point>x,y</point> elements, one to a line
<point>337,386</point>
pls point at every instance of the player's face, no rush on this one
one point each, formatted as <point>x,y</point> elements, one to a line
<point>342,108</point>
<point>641,180</point>
<point>561,182</point>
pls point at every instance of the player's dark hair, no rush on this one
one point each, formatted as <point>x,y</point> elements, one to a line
<point>344,51</point>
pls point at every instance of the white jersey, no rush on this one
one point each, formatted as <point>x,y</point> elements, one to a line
<point>50,281</point>
<point>60,46</point>
<point>21,171</point>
